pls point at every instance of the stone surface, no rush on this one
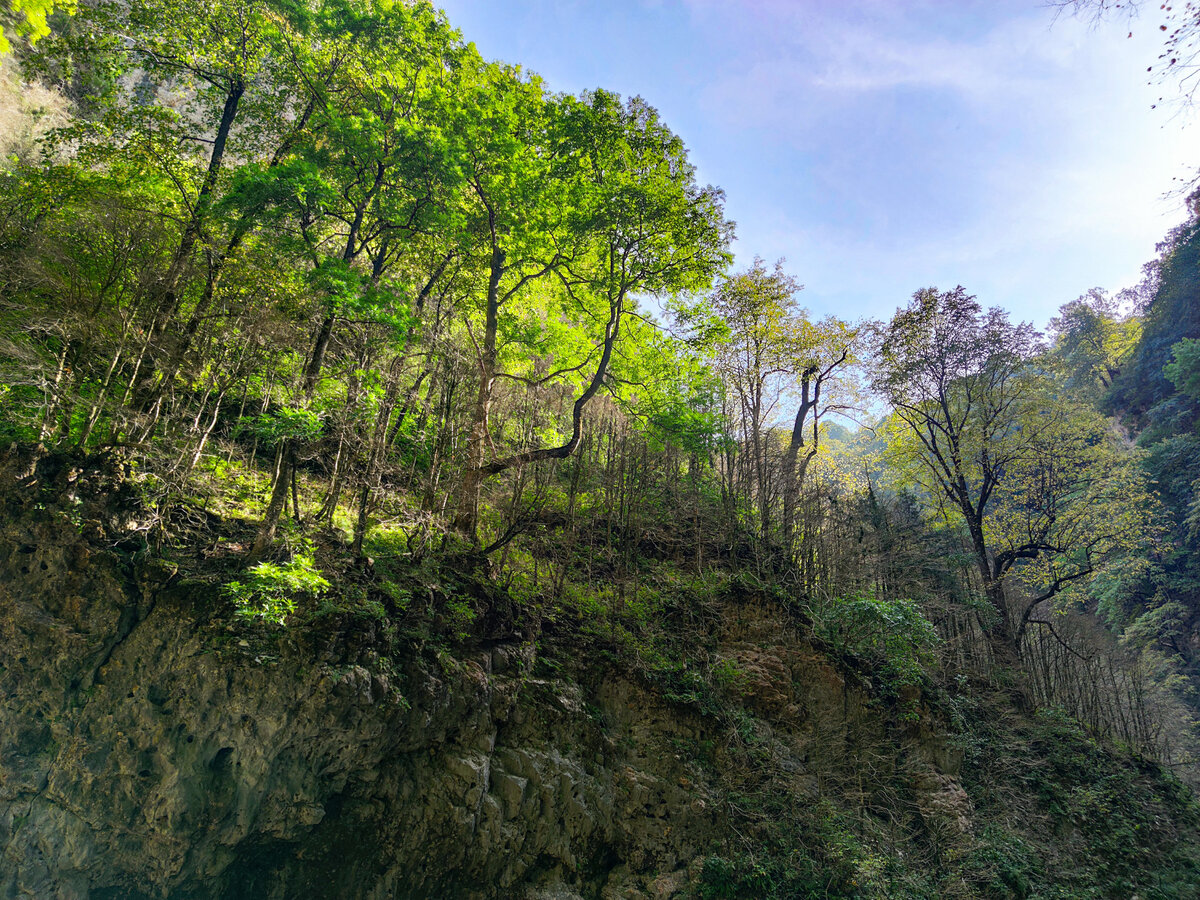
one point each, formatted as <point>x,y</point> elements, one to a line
<point>150,749</point>
<point>147,752</point>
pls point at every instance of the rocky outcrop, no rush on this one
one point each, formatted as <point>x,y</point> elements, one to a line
<point>149,748</point>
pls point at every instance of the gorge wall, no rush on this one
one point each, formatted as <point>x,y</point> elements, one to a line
<point>152,746</point>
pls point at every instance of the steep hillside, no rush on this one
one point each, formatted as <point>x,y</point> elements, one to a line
<point>157,745</point>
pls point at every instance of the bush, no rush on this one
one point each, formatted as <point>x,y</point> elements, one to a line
<point>270,590</point>
<point>893,635</point>
<point>285,423</point>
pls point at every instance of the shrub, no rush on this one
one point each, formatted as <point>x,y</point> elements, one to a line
<point>893,635</point>
<point>270,590</point>
<point>285,423</point>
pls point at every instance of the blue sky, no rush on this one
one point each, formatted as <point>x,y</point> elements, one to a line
<point>882,147</point>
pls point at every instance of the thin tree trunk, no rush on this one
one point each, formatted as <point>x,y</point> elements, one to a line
<point>166,299</point>
<point>284,463</point>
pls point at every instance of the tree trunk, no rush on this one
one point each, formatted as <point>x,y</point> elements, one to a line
<point>167,299</point>
<point>466,518</point>
<point>1006,653</point>
<point>284,462</point>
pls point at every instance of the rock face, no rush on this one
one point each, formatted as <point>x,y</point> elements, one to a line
<point>148,750</point>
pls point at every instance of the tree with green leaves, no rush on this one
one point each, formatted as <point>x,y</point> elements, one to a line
<point>753,316</point>
<point>768,349</point>
<point>822,353</point>
<point>1172,314</point>
<point>1093,340</point>
<point>625,216</point>
<point>365,200</point>
<point>203,95</point>
<point>513,224</point>
<point>1044,495</point>
<point>213,60</point>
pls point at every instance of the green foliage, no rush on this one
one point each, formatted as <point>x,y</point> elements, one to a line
<point>1004,866</point>
<point>1047,492</point>
<point>726,674</point>
<point>1184,368</point>
<point>795,876</point>
<point>333,229</point>
<point>893,635</point>
<point>457,615</point>
<point>1102,824</point>
<point>1171,315</point>
<point>765,347</point>
<point>1162,623</point>
<point>1121,810</point>
<point>28,19</point>
<point>270,590</point>
<point>1093,341</point>
<point>808,855</point>
<point>284,424</point>
<point>669,388</point>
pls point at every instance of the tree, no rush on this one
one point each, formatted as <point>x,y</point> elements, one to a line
<point>1172,313</point>
<point>1044,494</point>
<point>232,106</point>
<point>1093,340</point>
<point>620,213</point>
<point>758,309</point>
<point>767,349</point>
<point>367,187</point>
<point>512,225</point>
<point>216,57</point>
<point>378,177</point>
<point>821,353</point>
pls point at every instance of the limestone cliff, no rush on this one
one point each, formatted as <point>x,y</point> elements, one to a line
<point>151,746</point>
